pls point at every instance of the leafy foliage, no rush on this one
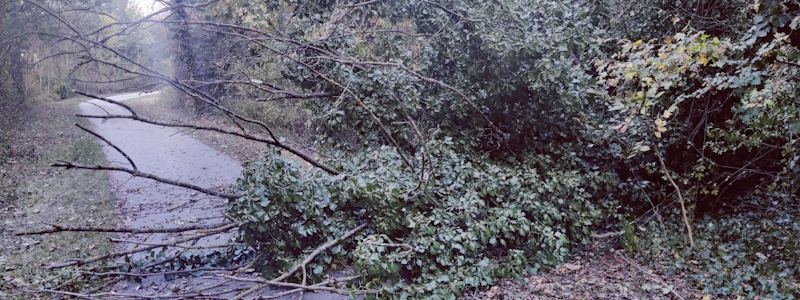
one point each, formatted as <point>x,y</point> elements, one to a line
<point>443,130</point>
<point>429,142</point>
<point>483,140</point>
<point>723,103</point>
<point>467,225</point>
<point>743,254</point>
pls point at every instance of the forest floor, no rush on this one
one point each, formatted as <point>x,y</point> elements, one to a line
<point>35,194</point>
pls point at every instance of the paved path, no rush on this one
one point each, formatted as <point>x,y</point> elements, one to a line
<point>169,154</point>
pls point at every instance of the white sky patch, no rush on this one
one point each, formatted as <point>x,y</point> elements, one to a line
<point>146,6</point>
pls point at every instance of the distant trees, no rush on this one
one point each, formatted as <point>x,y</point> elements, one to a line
<point>13,60</point>
<point>41,58</point>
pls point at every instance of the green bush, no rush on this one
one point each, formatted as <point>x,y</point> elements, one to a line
<point>469,224</point>
<point>63,90</point>
<point>494,137</point>
<point>717,114</point>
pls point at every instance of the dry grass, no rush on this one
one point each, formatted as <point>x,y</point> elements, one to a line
<point>33,194</point>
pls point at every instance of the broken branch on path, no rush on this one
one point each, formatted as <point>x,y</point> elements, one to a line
<point>178,272</point>
<point>278,281</point>
<point>319,250</point>
<point>80,262</point>
<point>246,136</point>
<point>273,141</point>
<point>136,296</point>
<point>66,228</point>
<point>110,144</point>
<point>299,287</point>
<point>171,244</point>
<point>137,173</point>
<point>128,108</point>
<point>649,274</point>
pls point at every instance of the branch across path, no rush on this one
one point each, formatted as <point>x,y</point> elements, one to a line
<point>167,153</point>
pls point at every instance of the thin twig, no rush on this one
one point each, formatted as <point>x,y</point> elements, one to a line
<point>246,136</point>
<point>277,281</point>
<point>361,4</point>
<point>65,228</point>
<point>319,250</point>
<point>171,244</point>
<point>608,234</point>
<point>680,197</point>
<point>332,281</point>
<point>265,283</point>
<point>123,253</point>
<point>132,274</point>
<point>110,144</point>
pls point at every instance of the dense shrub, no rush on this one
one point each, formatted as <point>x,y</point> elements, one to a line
<point>63,89</point>
<point>493,138</point>
<point>718,113</point>
<point>469,223</point>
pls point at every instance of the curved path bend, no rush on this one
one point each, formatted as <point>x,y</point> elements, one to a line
<point>168,153</point>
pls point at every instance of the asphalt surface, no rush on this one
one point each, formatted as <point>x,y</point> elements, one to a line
<point>168,153</point>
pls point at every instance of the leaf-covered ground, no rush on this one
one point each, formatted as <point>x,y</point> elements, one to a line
<point>596,275</point>
<point>33,194</point>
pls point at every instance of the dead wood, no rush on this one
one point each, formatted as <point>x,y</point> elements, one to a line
<point>67,228</point>
<point>278,280</point>
<point>79,262</point>
<point>110,144</point>
<point>137,173</point>
<point>269,141</point>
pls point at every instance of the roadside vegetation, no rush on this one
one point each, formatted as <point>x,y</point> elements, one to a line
<point>448,147</point>
<point>33,195</point>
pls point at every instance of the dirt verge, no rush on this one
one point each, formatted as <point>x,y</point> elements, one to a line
<point>33,194</point>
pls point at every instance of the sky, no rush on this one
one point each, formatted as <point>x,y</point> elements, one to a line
<point>145,5</point>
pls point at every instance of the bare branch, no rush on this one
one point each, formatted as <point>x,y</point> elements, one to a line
<point>680,197</point>
<point>319,250</point>
<point>136,296</point>
<point>332,281</point>
<point>128,108</point>
<point>265,283</point>
<point>80,262</point>
<point>137,173</point>
<point>157,273</point>
<point>247,136</point>
<point>278,281</point>
<point>110,144</point>
<point>608,234</point>
<point>172,244</point>
<point>649,274</point>
<point>361,4</point>
<point>68,228</point>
